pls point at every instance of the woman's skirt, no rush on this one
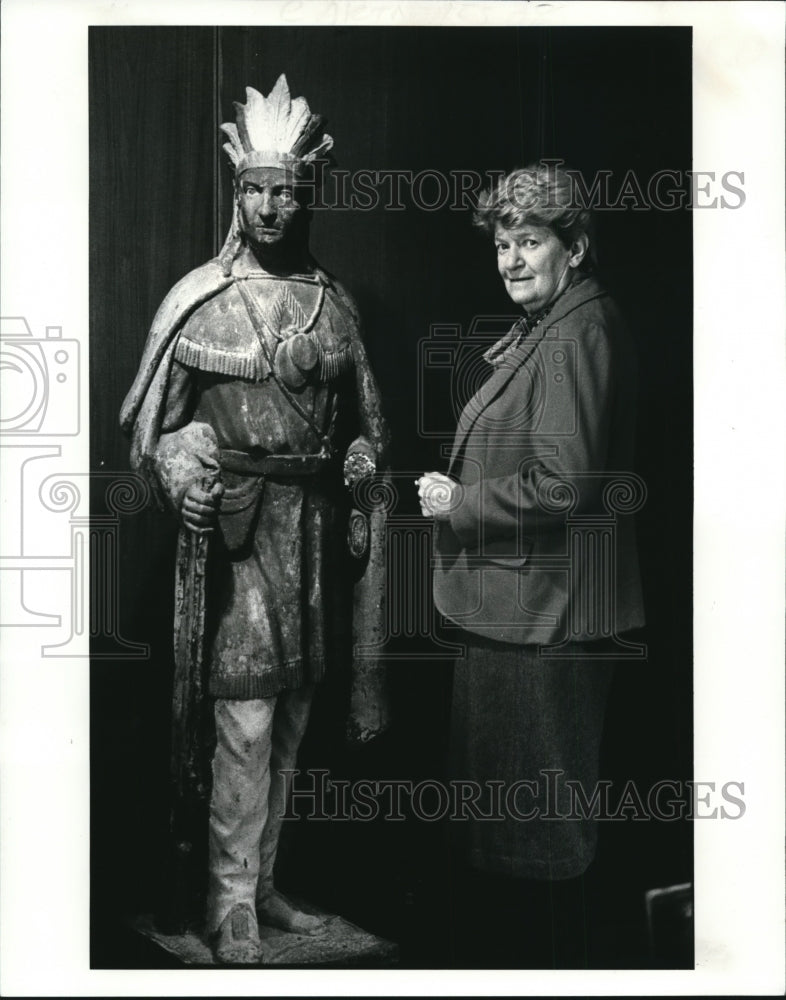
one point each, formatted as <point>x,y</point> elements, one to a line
<point>525,732</point>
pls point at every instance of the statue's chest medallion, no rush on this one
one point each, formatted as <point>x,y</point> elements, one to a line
<point>310,342</point>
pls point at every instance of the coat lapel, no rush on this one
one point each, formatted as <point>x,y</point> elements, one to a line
<point>491,390</point>
<point>498,381</point>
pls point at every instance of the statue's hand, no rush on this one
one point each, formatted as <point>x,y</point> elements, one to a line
<point>360,461</point>
<point>200,507</point>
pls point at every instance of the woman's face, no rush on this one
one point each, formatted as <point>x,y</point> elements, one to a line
<point>534,264</point>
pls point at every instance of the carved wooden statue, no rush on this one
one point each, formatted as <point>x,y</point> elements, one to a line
<point>253,412</point>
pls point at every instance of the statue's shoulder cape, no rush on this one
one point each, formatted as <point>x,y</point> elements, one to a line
<point>142,410</point>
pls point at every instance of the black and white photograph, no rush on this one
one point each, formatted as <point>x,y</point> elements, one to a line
<point>389,479</point>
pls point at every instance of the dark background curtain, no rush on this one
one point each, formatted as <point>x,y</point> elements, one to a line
<point>613,99</point>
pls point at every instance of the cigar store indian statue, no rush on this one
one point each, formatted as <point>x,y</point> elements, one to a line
<point>255,419</point>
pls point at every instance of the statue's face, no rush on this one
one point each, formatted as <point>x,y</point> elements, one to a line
<point>270,215</point>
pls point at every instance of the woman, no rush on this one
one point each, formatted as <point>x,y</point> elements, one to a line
<point>533,559</point>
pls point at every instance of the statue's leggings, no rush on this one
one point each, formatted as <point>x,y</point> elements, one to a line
<point>256,740</point>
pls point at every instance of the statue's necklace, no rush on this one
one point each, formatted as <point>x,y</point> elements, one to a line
<point>294,308</point>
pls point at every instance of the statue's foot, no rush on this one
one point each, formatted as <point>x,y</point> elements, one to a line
<point>275,910</point>
<point>237,939</point>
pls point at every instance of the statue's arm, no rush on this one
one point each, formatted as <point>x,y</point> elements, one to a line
<point>372,442</point>
<point>186,454</point>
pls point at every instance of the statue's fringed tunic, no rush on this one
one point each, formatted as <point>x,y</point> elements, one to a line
<point>273,602</point>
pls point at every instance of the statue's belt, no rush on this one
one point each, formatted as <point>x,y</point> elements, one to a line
<point>244,486</point>
<point>244,464</point>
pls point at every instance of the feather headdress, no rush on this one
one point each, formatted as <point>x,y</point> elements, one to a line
<point>272,131</point>
<point>275,131</point>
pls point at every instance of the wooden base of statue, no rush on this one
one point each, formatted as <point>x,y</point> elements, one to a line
<point>342,945</point>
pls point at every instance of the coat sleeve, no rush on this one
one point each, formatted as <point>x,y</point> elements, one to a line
<point>555,473</point>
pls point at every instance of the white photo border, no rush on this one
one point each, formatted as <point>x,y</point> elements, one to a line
<point>739,371</point>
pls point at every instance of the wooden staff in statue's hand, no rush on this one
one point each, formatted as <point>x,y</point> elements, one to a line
<point>182,456</point>
<point>199,511</point>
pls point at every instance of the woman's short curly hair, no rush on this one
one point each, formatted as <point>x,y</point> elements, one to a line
<point>541,195</point>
